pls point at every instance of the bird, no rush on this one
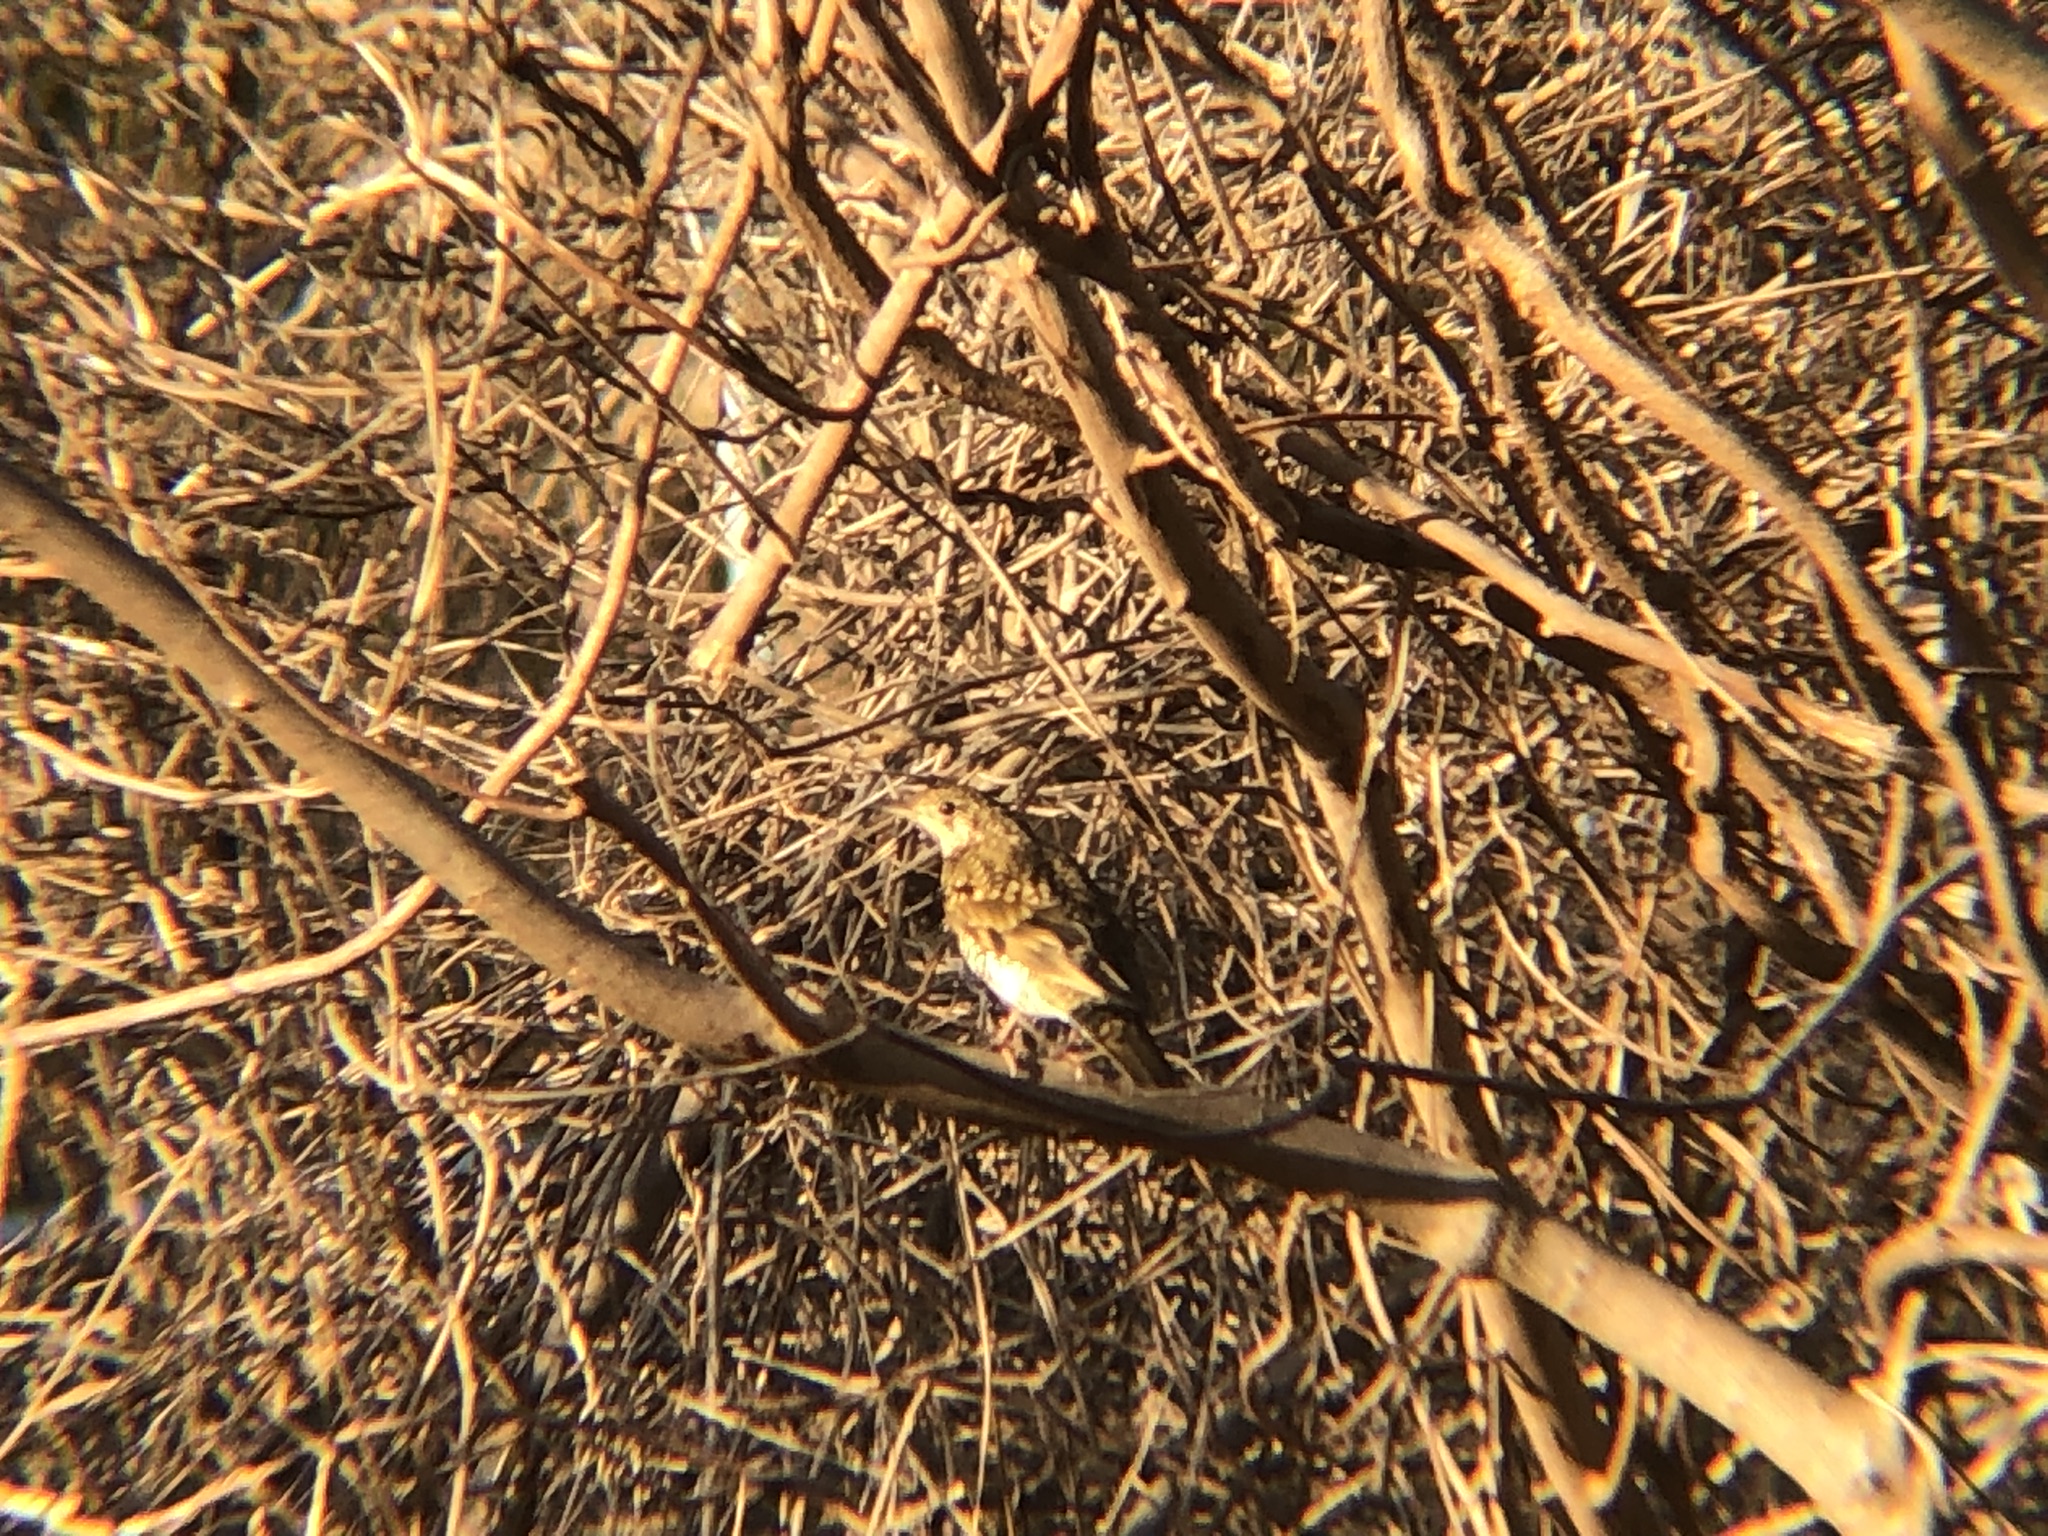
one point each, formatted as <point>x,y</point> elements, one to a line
<point>1031,927</point>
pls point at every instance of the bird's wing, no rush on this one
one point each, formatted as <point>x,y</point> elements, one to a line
<point>1102,943</point>
<point>1022,924</point>
<point>1070,975</point>
<point>1106,950</point>
<point>1058,954</point>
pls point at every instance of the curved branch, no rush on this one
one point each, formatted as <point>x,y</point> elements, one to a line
<point>1937,109</point>
<point>1986,44</point>
<point>1563,302</point>
<point>1460,1217</point>
<point>700,1014</point>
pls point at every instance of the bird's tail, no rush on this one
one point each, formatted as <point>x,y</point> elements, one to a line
<point>1130,1044</point>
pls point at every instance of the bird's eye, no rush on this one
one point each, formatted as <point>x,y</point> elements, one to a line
<point>948,807</point>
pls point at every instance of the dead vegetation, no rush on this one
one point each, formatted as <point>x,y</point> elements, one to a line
<point>1606,433</point>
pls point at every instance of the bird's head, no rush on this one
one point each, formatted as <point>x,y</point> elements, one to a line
<point>953,817</point>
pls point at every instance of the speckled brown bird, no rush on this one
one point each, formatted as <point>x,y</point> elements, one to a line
<point>1029,925</point>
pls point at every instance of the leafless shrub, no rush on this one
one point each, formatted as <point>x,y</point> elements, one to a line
<point>1527,431</point>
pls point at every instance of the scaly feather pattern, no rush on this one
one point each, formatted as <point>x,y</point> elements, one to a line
<point>1029,925</point>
